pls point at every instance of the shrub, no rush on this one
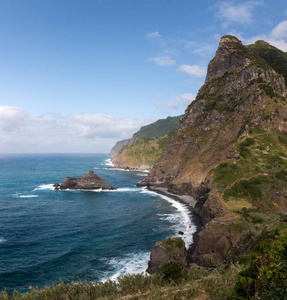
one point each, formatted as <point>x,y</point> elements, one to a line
<point>171,271</point>
<point>243,147</point>
<point>266,276</point>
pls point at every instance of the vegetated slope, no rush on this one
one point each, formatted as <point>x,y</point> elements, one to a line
<point>230,151</point>
<point>118,146</point>
<point>146,145</point>
<point>159,128</point>
<point>274,57</point>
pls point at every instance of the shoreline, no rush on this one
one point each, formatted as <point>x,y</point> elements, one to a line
<point>190,202</point>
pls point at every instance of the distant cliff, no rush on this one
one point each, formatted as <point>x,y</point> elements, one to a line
<point>230,150</point>
<point>118,146</point>
<point>146,145</point>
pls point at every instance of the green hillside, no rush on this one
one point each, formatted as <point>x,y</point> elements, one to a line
<point>159,128</point>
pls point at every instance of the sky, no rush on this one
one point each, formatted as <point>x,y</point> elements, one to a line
<point>78,75</point>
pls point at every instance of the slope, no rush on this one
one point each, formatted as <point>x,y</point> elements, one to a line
<point>230,150</point>
<point>146,145</point>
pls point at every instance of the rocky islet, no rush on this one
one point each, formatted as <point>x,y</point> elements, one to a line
<point>89,181</point>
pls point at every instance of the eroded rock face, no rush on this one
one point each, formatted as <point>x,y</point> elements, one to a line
<point>163,252</point>
<point>238,94</point>
<point>241,93</point>
<point>88,181</point>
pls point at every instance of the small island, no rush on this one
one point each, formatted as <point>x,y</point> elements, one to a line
<point>89,181</point>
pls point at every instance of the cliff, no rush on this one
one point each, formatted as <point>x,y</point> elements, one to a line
<point>146,145</point>
<point>118,146</point>
<point>229,152</point>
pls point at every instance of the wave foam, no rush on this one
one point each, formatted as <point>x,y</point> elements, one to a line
<point>28,196</point>
<point>182,220</point>
<point>108,162</point>
<point>107,191</point>
<point>2,240</point>
<point>132,263</point>
<point>45,187</point>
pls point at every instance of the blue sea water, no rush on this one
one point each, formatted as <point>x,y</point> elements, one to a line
<point>48,236</point>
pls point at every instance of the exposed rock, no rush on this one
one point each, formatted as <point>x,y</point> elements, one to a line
<point>56,186</point>
<point>163,252</point>
<point>88,181</point>
<point>212,248</point>
<point>242,94</point>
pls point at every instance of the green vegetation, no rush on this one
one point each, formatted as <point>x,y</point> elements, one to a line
<point>260,171</point>
<point>145,150</point>
<point>266,276</point>
<point>190,284</point>
<point>118,146</point>
<point>159,128</point>
<point>261,273</point>
<point>274,57</point>
<point>171,243</point>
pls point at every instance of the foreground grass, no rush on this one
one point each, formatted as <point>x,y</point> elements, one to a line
<point>195,284</point>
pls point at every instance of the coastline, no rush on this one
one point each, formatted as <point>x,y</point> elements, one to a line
<point>183,199</point>
<point>190,202</point>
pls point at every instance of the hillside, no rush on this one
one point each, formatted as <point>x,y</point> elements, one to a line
<point>230,151</point>
<point>118,146</point>
<point>159,128</point>
<point>146,145</point>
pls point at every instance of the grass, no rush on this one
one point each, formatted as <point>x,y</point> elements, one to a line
<point>194,283</point>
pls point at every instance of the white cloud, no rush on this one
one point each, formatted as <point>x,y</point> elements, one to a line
<point>11,118</point>
<point>178,101</point>
<point>181,100</point>
<point>20,132</point>
<point>280,31</point>
<point>153,35</point>
<point>193,70</point>
<point>162,61</point>
<point>277,37</point>
<point>240,13</point>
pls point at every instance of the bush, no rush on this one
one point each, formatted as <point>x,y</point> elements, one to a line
<point>171,271</point>
<point>266,276</point>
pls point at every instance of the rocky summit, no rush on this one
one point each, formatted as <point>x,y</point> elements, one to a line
<point>88,181</point>
<point>230,150</point>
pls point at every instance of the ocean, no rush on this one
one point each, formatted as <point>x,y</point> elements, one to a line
<point>49,236</point>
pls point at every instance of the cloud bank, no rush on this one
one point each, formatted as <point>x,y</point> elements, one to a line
<point>22,133</point>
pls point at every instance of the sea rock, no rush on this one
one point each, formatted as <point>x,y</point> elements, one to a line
<point>56,186</point>
<point>88,181</point>
<point>163,252</point>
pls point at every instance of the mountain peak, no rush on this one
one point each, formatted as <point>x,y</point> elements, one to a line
<point>228,57</point>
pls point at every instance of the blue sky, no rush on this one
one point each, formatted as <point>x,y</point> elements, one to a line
<point>78,75</point>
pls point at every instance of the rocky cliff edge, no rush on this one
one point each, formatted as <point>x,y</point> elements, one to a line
<point>219,153</point>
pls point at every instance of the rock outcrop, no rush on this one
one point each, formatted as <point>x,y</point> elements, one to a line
<point>88,181</point>
<point>224,138</point>
<point>163,252</point>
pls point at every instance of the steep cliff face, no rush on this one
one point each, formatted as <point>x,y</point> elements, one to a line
<point>240,92</point>
<point>230,148</point>
<point>118,146</point>
<point>146,145</point>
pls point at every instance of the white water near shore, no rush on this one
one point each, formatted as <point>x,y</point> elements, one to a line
<point>181,220</point>
<point>173,215</point>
